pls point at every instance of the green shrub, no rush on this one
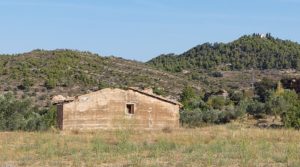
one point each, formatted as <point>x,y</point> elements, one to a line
<point>50,83</point>
<point>34,121</point>
<point>195,103</point>
<point>210,116</point>
<point>198,117</point>
<point>21,115</point>
<point>291,117</point>
<point>256,108</point>
<point>236,97</point>
<point>187,94</point>
<point>226,116</point>
<point>159,91</point>
<point>262,89</point>
<point>216,102</point>
<point>50,117</point>
<point>241,108</point>
<point>192,118</point>
<point>276,105</point>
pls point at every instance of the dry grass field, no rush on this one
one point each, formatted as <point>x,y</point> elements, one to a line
<point>226,145</point>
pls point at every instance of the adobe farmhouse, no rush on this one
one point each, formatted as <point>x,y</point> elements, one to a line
<point>117,108</point>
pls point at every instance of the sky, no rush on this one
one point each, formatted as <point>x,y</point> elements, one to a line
<point>140,29</point>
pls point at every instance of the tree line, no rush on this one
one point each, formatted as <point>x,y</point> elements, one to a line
<point>249,51</point>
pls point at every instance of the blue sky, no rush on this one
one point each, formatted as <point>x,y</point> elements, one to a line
<point>140,29</point>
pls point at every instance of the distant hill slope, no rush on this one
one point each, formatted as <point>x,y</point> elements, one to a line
<point>41,74</point>
<point>249,51</point>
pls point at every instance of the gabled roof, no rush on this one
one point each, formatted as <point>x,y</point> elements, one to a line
<point>60,99</point>
<point>155,96</point>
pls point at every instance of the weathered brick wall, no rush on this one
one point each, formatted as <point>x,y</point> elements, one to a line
<point>106,109</point>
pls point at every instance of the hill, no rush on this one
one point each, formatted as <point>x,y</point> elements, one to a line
<point>41,74</point>
<point>250,51</point>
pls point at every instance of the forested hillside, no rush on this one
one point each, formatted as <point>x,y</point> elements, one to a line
<point>213,81</point>
<point>250,51</point>
<point>41,74</point>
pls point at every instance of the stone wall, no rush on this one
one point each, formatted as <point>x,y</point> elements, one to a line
<point>106,109</point>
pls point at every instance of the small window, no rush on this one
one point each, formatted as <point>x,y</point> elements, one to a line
<point>130,108</point>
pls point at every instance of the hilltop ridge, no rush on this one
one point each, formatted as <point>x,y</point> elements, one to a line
<point>249,51</point>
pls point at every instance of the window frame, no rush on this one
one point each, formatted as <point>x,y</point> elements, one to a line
<point>132,105</point>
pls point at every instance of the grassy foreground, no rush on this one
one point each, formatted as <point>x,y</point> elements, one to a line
<point>227,145</point>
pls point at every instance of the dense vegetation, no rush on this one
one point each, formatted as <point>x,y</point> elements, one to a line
<point>22,115</point>
<point>270,99</point>
<point>249,51</point>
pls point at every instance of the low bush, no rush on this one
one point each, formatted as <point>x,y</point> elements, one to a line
<point>256,108</point>
<point>216,74</point>
<point>50,83</point>
<point>198,117</point>
<point>216,102</point>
